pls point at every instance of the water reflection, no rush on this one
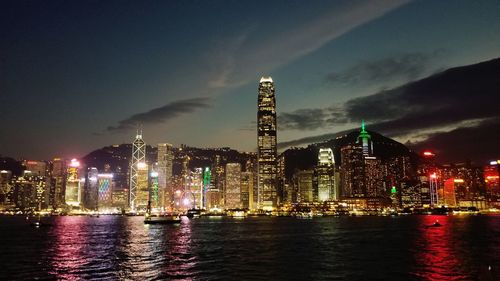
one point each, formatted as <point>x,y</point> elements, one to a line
<point>82,247</point>
<point>435,255</point>
<point>155,251</point>
<point>382,248</point>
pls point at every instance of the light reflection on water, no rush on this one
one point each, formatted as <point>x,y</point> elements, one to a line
<point>363,248</point>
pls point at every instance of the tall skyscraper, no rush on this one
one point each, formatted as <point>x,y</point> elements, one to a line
<point>233,186</point>
<point>195,187</point>
<point>164,170</point>
<point>326,175</point>
<point>105,185</point>
<point>137,167</point>
<point>352,171</point>
<point>304,181</point>
<point>267,145</point>
<point>365,139</point>
<point>91,190</point>
<point>58,183</point>
<point>73,188</point>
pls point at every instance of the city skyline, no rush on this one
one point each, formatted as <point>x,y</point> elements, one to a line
<point>74,98</point>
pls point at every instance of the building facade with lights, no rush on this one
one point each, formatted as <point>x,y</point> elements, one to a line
<point>267,145</point>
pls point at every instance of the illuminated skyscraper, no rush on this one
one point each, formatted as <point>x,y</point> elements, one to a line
<point>138,167</point>
<point>326,175</point>
<point>352,171</point>
<point>246,188</point>
<point>73,188</point>
<point>491,178</point>
<point>91,190</point>
<point>164,170</point>
<point>233,186</point>
<point>266,143</point>
<point>195,187</point>
<point>206,185</point>
<point>304,181</point>
<point>105,183</point>
<point>58,183</point>
<point>365,139</point>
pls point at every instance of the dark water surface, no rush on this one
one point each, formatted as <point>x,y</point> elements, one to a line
<point>265,248</point>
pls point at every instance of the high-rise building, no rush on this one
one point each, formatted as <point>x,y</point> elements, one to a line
<point>492,180</point>
<point>154,187</point>
<point>5,187</point>
<point>233,188</point>
<point>326,175</point>
<point>247,190</point>
<point>352,171</point>
<point>164,170</point>
<point>58,183</point>
<point>142,187</point>
<point>374,177</point>
<point>138,167</point>
<point>267,145</point>
<point>105,184</point>
<point>73,196</point>
<point>449,197</point>
<point>207,181</point>
<point>305,186</point>
<point>364,139</point>
<point>91,190</point>
<point>195,187</point>
<point>29,192</point>
<point>36,168</point>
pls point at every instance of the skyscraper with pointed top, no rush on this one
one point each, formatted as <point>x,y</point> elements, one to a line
<point>137,166</point>
<point>365,139</point>
<point>267,145</point>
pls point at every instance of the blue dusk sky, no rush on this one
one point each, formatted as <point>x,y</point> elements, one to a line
<point>79,75</point>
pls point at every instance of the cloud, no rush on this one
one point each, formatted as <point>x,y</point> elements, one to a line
<point>452,96</point>
<point>311,119</point>
<point>462,144</point>
<point>453,102</point>
<point>162,114</point>
<point>268,52</point>
<point>235,61</point>
<point>407,67</point>
<point>307,140</point>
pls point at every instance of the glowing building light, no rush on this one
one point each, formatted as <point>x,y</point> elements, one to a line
<point>154,174</point>
<point>186,201</point>
<point>108,176</point>
<point>494,162</point>
<point>458,180</point>
<point>393,190</point>
<point>433,176</point>
<point>74,163</point>
<point>428,153</point>
<point>141,165</point>
<point>492,177</point>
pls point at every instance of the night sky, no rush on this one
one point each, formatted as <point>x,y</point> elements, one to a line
<point>79,75</point>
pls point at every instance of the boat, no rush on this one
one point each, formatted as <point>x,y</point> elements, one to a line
<point>162,219</point>
<point>152,218</point>
<point>435,224</point>
<point>38,223</point>
<point>193,213</point>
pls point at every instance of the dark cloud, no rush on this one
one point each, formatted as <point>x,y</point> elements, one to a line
<point>307,140</point>
<point>453,96</point>
<point>478,143</point>
<point>162,114</point>
<point>457,95</point>
<point>408,66</point>
<point>311,119</point>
